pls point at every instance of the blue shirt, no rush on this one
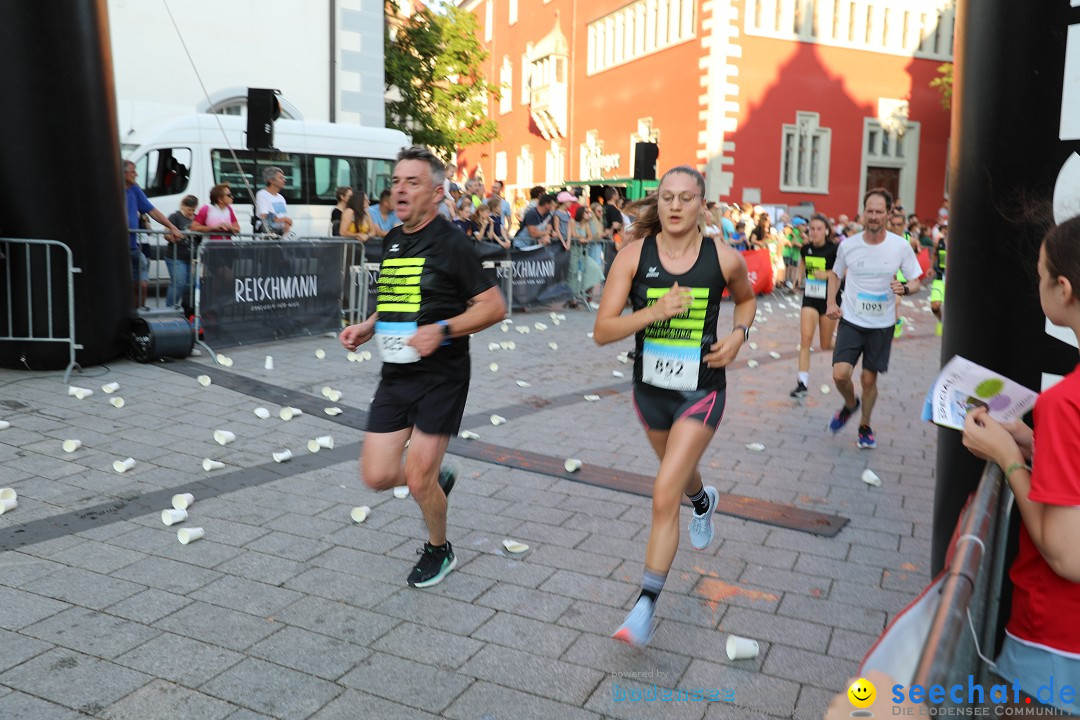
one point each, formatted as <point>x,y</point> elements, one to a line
<point>728,227</point>
<point>137,204</point>
<point>386,225</point>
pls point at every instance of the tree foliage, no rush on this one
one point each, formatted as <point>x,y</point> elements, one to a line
<point>943,83</point>
<point>433,60</point>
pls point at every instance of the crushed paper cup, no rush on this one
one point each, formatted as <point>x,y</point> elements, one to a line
<point>117,402</point>
<point>624,357</point>
<point>825,390</point>
<point>122,466</point>
<point>522,384</point>
<point>189,535</point>
<point>553,346</point>
<point>553,315</point>
<point>110,388</point>
<point>617,373</point>
<point>288,413</point>
<point>359,514</point>
<point>334,396</point>
<point>352,357</point>
<point>751,363</point>
<point>320,354</point>
<point>204,380</point>
<point>261,413</point>
<point>572,465</point>
<point>510,344</point>
<point>208,464</point>
<point>753,345</point>
<point>79,393</point>
<point>740,648</point>
<point>4,424</point>
<point>182,501</point>
<point>401,492</point>
<point>870,478</point>
<point>774,355</point>
<point>332,411</point>
<point>504,328</point>
<point>8,494</point>
<point>556,321</point>
<point>268,364</point>
<point>325,442</point>
<point>755,447</point>
<point>497,420</point>
<point>172,516</point>
<point>224,437</point>
<point>224,360</point>
<point>468,435</point>
<point>493,346</point>
<point>493,367</point>
<point>8,504</point>
<point>541,327</point>
<point>591,398</point>
<point>326,391</point>
<point>365,354</point>
<point>283,456</point>
<point>504,345</point>
<point>589,334</point>
<point>514,546</point>
<point>71,446</point>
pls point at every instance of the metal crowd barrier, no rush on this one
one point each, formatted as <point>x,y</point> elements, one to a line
<point>968,612</point>
<point>13,327</point>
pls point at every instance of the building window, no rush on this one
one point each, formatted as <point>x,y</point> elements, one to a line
<point>804,155</point>
<point>513,11</point>
<point>500,166</point>
<point>554,164</point>
<point>525,168</point>
<point>526,69</point>
<point>638,29</point>
<point>912,28</point>
<point>506,86</point>
<point>489,20</point>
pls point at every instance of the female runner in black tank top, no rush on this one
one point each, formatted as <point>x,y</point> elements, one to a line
<point>674,278</point>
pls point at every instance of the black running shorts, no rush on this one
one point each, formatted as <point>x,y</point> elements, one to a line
<point>658,409</point>
<point>433,404</point>
<point>873,344</point>
<point>815,304</point>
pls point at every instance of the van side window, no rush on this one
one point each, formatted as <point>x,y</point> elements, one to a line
<point>330,172</point>
<point>164,171</point>
<point>251,168</point>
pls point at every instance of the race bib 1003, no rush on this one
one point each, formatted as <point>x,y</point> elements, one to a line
<point>872,306</point>
<point>392,339</point>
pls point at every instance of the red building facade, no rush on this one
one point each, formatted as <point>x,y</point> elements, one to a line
<point>778,102</point>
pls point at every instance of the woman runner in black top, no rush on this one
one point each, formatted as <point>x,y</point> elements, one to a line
<point>674,278</point>
<point>816,258</point>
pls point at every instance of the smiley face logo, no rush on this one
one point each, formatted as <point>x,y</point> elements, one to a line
<point>862,693</point>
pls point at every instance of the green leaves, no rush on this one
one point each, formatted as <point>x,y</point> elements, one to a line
<point>433,61</point>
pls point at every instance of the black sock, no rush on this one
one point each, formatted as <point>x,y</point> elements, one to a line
<point>651,585</point>
<point>864,427</point>
<point>441,549</point>
<point>700,501</point>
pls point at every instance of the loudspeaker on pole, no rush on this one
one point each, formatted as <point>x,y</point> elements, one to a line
<point>645,154</point>
<point>263,109</point>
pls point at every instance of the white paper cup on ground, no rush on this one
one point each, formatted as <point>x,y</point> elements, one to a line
<point>208,464</point>
<point>468,435</point>
<point>80,393</point>
<point>617,373</point>
<point>497,420</point>
<point>224,437</point>
<point>8,504</point>
<point>774,355</point>
<point>755,447</point>
<point>325,441</point>
<point>268,363</point>
<point>360,514</point>
<point>332,411</point>
<point>117,402</point>
<point>751,363</point>
<point>8,494</point>
<point>493,367</point>
<point>870,478</point>
<point>572,465</point>
<point>753,345</point>
<point>189,535</point>
<point>122,466</point>
<point>365,354</point>
<point>334,396</point>
<point>523,384</point>
<point>320,354</point>
<point>740,648</point>
<point>591,398</point>
<point>326,390</point>
<point>172,516</point>
<point>204,380</point>
<point>514,546</point>
<point>110,388</point>
<point>288,413</point>
<point>553,346</point>
<point>353,357</point>
<point>261,413</point>
<point>71,446</point>
<point>182,501</point>
<point>4,424</point>
<point>283,456</point>
<point>825,389</point>
<point>401,492</point>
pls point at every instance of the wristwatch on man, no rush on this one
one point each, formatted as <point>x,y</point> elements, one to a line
<point>445,331</point>
<point>745,331</point>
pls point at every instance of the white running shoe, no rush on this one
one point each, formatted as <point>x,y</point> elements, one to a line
<point>637,628</point>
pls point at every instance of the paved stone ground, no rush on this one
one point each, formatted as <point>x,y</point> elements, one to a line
<point>288,610</point>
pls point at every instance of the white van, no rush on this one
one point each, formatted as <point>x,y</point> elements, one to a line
<point>189,155</point>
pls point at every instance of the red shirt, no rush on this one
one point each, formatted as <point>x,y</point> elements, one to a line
<point>1045,605</point>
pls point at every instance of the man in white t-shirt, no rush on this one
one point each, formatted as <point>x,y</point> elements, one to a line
<point>868,262</point>
<point>270,205</point>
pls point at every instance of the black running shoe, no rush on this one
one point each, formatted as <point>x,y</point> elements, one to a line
<point>800,391</point>
<point>433,566</point>
<point>448,475</point>
<point>840,419</point>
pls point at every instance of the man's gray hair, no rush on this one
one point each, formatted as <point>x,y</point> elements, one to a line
<point>269,173</point>
<point>419,152</point>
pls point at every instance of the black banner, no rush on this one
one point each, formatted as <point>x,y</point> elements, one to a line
<point>252,292</point>
<point>539,275</point>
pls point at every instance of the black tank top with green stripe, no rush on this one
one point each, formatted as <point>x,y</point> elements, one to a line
<point>669,352</point>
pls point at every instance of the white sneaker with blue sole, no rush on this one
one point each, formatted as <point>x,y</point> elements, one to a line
<point>701,526</point>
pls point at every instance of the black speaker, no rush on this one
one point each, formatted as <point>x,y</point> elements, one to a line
<point>263,109</point>
<point>156,338</point>
<point>645,154</point>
